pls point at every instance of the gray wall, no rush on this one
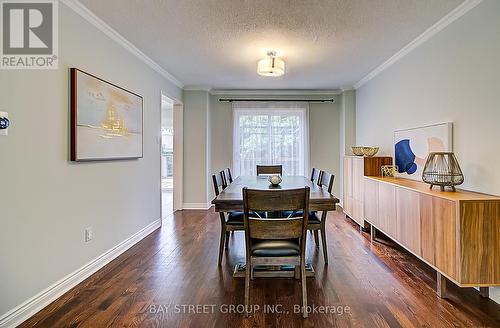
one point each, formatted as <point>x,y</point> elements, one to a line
<point>324,131</point>
<point>46,201</point>
<point>455,77</point>
<point>196,147</point>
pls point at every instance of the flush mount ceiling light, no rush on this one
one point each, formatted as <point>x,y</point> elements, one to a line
<point>271,65</point>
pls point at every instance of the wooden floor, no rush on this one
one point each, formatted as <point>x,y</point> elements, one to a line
<point>381,286</point>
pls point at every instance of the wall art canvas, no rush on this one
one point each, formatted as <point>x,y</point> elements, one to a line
<point>411,147</point>
<point>106,120</point>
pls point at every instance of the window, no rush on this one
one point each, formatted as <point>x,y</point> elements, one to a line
<point>270,133</point>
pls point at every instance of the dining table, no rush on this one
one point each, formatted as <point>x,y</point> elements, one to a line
<point>231,200</point>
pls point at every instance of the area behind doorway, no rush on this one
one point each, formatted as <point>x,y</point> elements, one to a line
<point>167,156</point>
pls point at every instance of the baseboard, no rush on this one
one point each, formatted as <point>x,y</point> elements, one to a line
<point>27,309</point>
<point>196,206</point>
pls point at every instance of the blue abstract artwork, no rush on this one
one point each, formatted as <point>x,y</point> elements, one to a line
<point>412,146</point>
<point>405,158</point>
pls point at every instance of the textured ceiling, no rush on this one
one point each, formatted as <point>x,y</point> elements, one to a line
<point>327,44</point>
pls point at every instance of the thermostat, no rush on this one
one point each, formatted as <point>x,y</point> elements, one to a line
<point>4,123</point>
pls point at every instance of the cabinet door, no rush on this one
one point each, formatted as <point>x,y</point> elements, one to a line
<point>357,177</point>
<point>387,209</point>
<point>445,233</point>
<point>408,219</point>
<point>427,230</point>
<point>371,201</point>
<point>347,202</point>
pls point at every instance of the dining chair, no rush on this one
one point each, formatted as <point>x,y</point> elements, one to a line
<point>227,178</point>
<point>315,175</point>
<point>315,223</point>
<point>269,169</point>
<point>275,241</point>
<point>231,221</point>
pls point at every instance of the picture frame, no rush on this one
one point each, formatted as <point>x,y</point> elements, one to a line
<point>107,121</point>
<point>413,145</point>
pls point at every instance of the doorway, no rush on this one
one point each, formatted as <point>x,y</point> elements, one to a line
<point>167,156</point>
<point>171,154</point>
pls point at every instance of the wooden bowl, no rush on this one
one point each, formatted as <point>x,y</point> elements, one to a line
<point>357,150</point>
<point>370,151</point>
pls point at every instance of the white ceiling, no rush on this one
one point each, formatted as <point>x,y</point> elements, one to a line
<point>327,44</point>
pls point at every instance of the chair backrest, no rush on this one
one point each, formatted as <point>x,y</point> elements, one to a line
<point>269,169</point>
<point>315,175</point>
<point>226,175</point>
<point>326,179</point>
<point>219,184</point>
<point>275,200</point>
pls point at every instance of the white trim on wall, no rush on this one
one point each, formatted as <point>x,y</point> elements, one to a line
<point>455,14</point>
<point>275,92</point>
<point>196,206</point>
<point>90,17</point>
<point>27,309</point>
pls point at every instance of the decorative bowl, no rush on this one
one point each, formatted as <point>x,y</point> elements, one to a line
<point>357,150</point>
<point>370,151</point>
<point>275,179</point>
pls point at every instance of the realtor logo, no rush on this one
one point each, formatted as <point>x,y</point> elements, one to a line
<point>29,37</point>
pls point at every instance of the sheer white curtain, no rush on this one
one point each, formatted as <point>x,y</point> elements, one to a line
<point>271,133</point>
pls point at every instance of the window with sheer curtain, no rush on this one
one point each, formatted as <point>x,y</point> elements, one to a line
<point>270,133</point>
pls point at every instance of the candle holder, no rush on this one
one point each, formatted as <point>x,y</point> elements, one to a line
<point>442,169</point>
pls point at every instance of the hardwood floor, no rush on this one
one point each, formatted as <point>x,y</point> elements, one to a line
<point>382,285</point>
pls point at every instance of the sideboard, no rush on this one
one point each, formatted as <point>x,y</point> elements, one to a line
<point>456,233</point>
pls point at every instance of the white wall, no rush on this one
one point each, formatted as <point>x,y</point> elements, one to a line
<point>454,76</point>
<point>46,202</point>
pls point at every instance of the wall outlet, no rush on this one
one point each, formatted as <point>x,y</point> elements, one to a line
<point>89,234</point>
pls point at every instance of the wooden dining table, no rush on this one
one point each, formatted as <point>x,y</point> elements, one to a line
<point>231,200</point>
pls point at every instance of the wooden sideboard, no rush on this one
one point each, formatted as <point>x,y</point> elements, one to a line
<point>355,168</point>
<point>457,233</point>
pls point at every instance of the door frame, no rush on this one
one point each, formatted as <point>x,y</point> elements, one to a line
<point>178,144</point>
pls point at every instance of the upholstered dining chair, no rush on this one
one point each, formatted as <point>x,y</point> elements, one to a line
<point>317,223</point>
<point>276,241</point>
<point>269,169</point>
<point>231,221</point>
<point>227,177</point>
<point>315,175</point>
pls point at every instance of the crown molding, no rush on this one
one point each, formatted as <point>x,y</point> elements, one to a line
<point>273,92</point>
<point>452,16</point>
<point>197,88</point>
<point>90,17</point>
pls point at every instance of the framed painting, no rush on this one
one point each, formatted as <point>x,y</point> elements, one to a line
<point>412,146</point>
<point>106,120</point>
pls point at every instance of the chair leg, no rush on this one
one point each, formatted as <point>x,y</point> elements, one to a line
<point>221,244</point>
<point>297,272</point>
<point>323,241</point>
<point>316,238</point>
<point>247,288</point>
<point>304,287</point>
<point>227,239</point>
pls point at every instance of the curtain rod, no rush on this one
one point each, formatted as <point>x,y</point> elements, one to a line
<point>277,100</point>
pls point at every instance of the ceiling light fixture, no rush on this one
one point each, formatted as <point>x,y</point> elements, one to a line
<point>271,65</point>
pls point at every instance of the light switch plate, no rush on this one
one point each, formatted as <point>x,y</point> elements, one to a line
<point>5,131</point>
